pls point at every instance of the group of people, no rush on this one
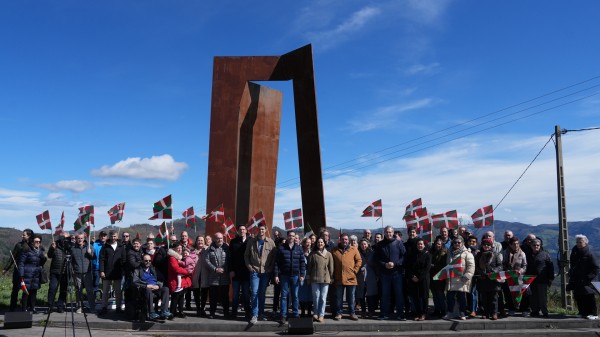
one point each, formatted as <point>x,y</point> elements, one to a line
<point>381,276</point>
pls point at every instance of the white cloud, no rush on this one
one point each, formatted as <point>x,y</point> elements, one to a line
<point>13,193</point>
<point>425,11</point>
<point>423,69</point>
<point>386,117</point>
<point>76,186</point>
<point>156,167</point>
<point>346,29</point>
<point>467,176</point>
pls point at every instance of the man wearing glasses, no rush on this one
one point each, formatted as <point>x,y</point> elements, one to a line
<point>458,287</point>
<point>144,277</point>
<point>83,254</point>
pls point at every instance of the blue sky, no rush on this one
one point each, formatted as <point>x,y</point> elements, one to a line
<point>107,102</point>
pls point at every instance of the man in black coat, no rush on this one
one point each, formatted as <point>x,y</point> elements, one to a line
<point>239,273</point>
<point>389,257</point>
<point>58,276</point>
<point>112,258</point>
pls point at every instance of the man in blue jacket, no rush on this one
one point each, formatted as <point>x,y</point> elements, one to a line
<point>289,271</point>
<point>97,246</point>
<point>389,256</point>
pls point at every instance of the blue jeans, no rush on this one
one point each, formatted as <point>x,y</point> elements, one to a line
<point>258,287</point>
<point>244,286</point>
<point>473,298</point>
<point>339,291</point>
<point>392,283</point>
<point>289,284</point>
<point>319,295</point>
<point>452,296</point>
<point>96,276</point>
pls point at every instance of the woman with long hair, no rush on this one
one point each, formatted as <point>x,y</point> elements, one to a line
<point>175,270</point>
<point>197,249</point>
<point>439,255</point>
<point>417,273</point>
<point>31,263</point>
<point>305,291</point>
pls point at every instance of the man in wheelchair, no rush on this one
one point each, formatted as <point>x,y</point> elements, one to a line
<point>144,278</point>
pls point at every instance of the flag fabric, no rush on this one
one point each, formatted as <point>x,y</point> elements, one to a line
<point>445,220</point>
<point>375,209</point>
<point>453,269</point>
<point>24,286</point>
<point>255,221</point>
<point>44,220</point>
<point>190,217</point>
<point>293,219</point>
<point>162,209</point>
<point>414,206</point>
<point>422,223</point>
<point>217,214</point>
<point>116,213</point>
<point>59,229</point>
<point>483,217</point>
<point>229,229</point>
<point>307,230</point>
<point>85,217</point>
<point>163,234</point>
<point>517,284</point>
<point>137,236</point>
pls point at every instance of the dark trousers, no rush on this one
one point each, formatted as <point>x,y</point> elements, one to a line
<point>28,300</point>
<point>188,297</point>
<point>490,302</point>
<point>177,302</point>
<point>203,299</point>
<point>219,294</point>
<point>162,293</point>
<point>57,282</point>
<point>16,287</point>
<point>276,294</point>
<point>586,304</point>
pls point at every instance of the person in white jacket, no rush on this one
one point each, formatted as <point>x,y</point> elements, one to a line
<point>458,287</point>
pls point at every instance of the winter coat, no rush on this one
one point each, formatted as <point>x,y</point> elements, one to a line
<point>461,283</point>
<point>289,261</point>
<point>390,251</point>
<point>218,257</point>
<point>439,259</point>
<point>516,261</point>
<point>81,259</point>
<point>541,266</point>
<point>584,269</point>
<point>134,260</point>
<point>97,247</point>
<point>346,264</point>
<point>237,248</point>
<point>485,263</point>
<point>137,277</point>
<point>204,271</point>
<point>30,266</point>
<point>418,264</point>
<point>320,267</point>
<point>20,248</point>
<point>112,261</point>
<point>174,270</point>
<point>160,261</point>
<point>190,261</point>
<point>263,263</point>
<point>58,257</point>
<point>197,269</point>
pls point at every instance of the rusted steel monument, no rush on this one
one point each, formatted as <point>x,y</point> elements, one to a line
<point>244,137</point>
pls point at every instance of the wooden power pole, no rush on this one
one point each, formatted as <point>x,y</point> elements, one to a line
<point>563,230</point>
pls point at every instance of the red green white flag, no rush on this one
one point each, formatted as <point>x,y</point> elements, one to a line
<point>229,229</point>
<point>413,207</point>
<point>254,221</point>
<point>190,217</point>
<point>59,229</point>
<point>163,234</point>
<point>375,209</point>
<point>84,218</point>
<point>293,219</point>
<point>162,209</point>
<point>44,220</point>
<point>517,284</point>
<point>217,214</point>
<point>483,217</point>
<point>453,269</point>
<point>24,286</point>
<point>445,220</point>
<point>116,213</point>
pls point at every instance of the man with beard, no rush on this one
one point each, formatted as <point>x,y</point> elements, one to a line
<point>389,256</point>
<point>112,258</point>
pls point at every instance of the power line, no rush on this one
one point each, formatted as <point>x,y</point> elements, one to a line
<point>285,182</point>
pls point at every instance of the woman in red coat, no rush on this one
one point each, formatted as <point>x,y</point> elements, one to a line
<point>175,269</point>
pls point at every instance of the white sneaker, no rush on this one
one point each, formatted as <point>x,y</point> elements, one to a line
<point>178,289</point>
<point>78,311</point>
<point>592,317</point>
<point>253,320</point>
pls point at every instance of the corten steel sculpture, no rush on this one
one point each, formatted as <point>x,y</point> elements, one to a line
<point>244,137</point>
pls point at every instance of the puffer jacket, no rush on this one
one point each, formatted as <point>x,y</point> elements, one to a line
<point>218,257</point>
<point>30,266</point>
<point>82,260</point>
<point>462,283</point>
<point>390,251</point>
<point>289,261</point>
<point>542,267</point>
<point>58,257</point>
<point>584,270</point>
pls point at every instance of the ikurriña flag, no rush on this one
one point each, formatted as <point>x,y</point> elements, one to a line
<point>375,209</point>
<point>163,234</point>
<point>44,220</point>
<point>454,269</point>
<point>116,213</point>
<point>517,283</point>
<point>162,209</point>
<point>254,221</point>
<point>217,214</point>
<point>414,206</point>
<point>229,229</point>
<point>445,220</point>
<point>84,218</point>
<point>60,228</point>
<point>293,219</point>
<point>190,217</point>
<point>483,217</point>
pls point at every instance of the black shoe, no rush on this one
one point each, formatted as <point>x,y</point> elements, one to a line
<point>181,315</point>
<point>119,310</point>
<point>103,312</point>
<point>188,307</point>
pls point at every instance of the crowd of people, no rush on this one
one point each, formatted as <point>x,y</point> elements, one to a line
<point>380,277</point>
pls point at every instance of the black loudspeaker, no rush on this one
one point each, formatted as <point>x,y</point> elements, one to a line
<point>17,320</point>
<point>301,326</point>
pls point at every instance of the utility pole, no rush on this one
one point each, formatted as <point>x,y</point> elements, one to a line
<point>563,230</point>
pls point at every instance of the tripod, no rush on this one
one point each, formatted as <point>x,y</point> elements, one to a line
<point>71,285</point>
